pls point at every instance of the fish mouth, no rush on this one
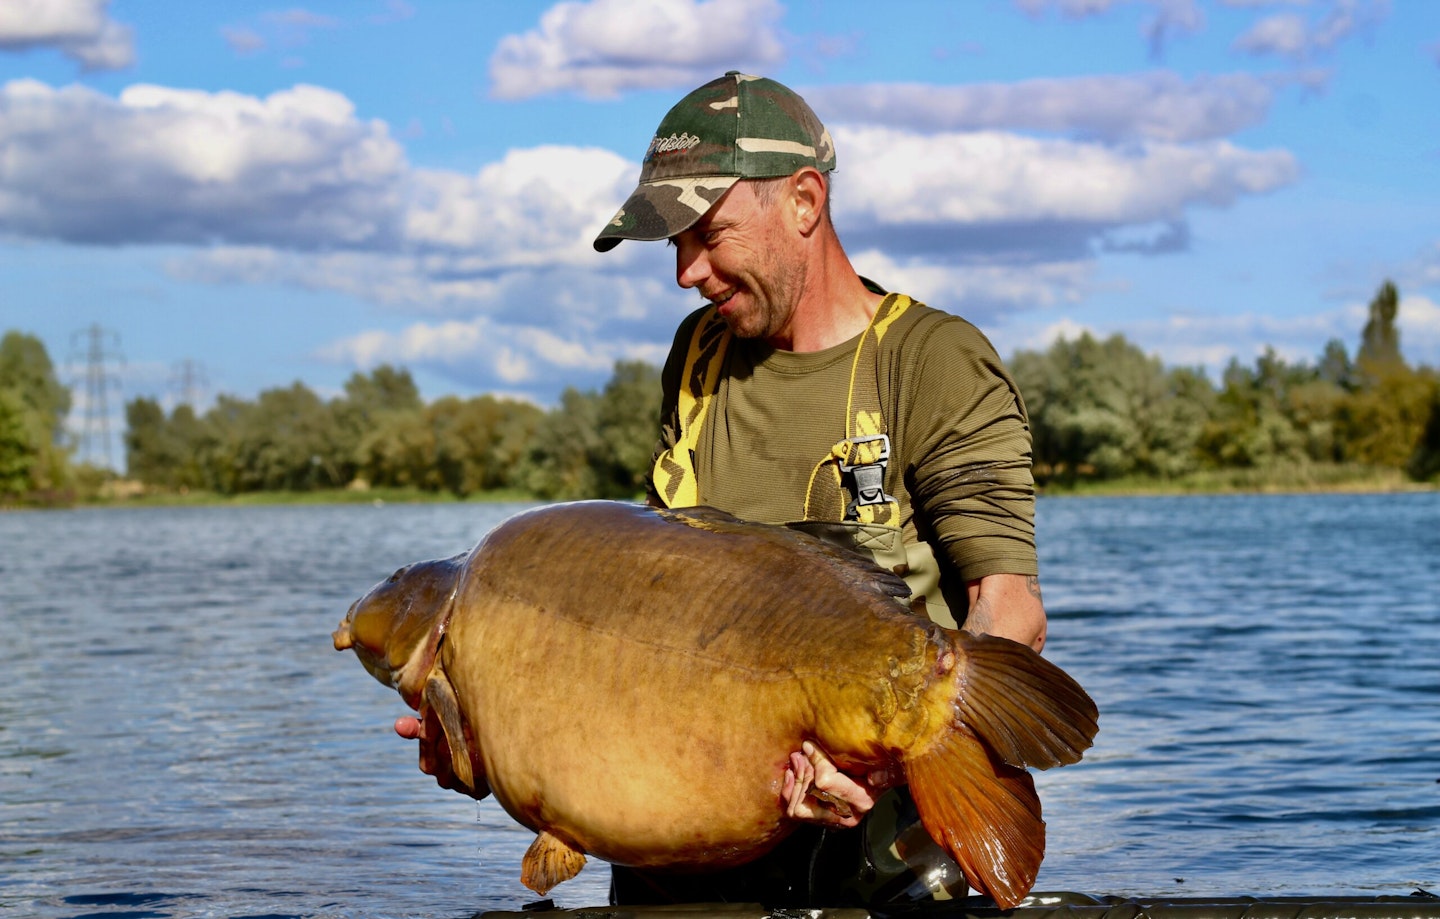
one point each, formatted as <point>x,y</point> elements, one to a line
<point>343,636</point>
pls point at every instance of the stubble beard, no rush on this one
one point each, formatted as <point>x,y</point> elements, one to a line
<point>771,309</point>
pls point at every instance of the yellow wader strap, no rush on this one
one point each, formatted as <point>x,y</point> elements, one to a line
<point>864,455</point>
<point>674,473</point>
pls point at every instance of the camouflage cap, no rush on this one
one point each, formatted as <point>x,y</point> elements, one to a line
<point>735,127</point>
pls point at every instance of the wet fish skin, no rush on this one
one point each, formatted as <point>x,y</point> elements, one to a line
<point>630,682</point>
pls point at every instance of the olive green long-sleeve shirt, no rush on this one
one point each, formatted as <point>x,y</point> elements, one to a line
<point>960,440</point>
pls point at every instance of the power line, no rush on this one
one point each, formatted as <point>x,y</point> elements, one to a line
<point>189,384</point>
<point>101,347</point>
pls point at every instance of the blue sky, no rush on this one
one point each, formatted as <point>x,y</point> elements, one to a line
<point>270,193</point>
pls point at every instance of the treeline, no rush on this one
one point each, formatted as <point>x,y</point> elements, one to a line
<point>34,457</point>
<point>1103,409</point>
<point>380,433</point>
<point>1099,410</point>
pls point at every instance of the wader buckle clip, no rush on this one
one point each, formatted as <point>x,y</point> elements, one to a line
<point>868,479</point>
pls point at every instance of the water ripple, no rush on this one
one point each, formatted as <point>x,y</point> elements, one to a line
<point>177,737</point>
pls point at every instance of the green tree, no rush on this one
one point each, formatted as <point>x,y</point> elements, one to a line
<point>376,405</point>
<point>1105,408</point>
<point>288,439</point>
<point>19,449</point>
<point>1380,340</point>
<point>25,368</point>
<point>629,423</point>
<point>480,441</point>
<point>169,452</point>
<point>148,454</point>
<point>1250,427</point>
<point>1384,419</point>
<point>400,451</point>
<point>1335,366</point>
<point>1384,422</point>
<point>33,406</point>
<point>194,442</point>
<point>567,456</point>
<point>1425,463</point>
<point>597,445</point>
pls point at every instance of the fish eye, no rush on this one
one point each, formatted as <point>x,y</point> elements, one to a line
<point>396,576</point>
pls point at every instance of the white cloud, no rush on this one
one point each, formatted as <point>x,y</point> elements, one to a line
<point>979,291</point>
<point>164,165</point>
<point>1426,270</point>
<point>493,354</point>
<point>995,178</point>
<point>78,28</point>
<point>601,48</point>
<point>1171,17</point>
<point>1293,35</point>
<point>1299,338</point>
<point>296,171</point>
<point>1210,340</point>
<point>1418,320</point>
<point>1157,106</point>
<point>243,40</point>
<point>535,206</point>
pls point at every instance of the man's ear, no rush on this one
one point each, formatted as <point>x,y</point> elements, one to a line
<point>808,193</point>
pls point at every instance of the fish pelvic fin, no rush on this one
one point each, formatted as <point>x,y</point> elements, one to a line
<point>983,812</point>
<point>1026,709</point>
<point>549,862</point>
<point>465,761</point>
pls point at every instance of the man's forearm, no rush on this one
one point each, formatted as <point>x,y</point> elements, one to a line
<point>1008,605</point>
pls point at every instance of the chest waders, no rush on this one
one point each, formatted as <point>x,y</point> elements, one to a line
<point>890,859</point>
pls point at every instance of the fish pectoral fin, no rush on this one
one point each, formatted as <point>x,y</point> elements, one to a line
<point>982,811</point>
<point>439,695</point>
<point>549,861</point>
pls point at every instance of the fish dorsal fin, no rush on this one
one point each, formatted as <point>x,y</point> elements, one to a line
<point>820,541</point>
<point>548,862</point>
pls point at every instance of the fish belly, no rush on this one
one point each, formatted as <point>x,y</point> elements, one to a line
<point>637,754</point>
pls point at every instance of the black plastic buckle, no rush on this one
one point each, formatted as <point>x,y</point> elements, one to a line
<point>868,479</point>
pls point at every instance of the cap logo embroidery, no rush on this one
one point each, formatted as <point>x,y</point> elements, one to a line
<point>675,143</point>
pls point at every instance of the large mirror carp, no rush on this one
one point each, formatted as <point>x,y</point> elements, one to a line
<point>629,683</point>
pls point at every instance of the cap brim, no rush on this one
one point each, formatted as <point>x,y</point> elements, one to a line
<point>663,208</point>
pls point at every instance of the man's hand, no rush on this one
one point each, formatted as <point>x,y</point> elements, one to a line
<point>815,791</point>
<point>434,750</point>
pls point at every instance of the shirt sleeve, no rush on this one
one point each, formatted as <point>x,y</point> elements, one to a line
<point>971,486</point>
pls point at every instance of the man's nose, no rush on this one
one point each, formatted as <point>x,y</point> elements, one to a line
<point>692,266</point>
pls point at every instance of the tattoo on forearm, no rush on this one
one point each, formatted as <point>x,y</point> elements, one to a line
<point>1032,584</point>
<point>979,619</point>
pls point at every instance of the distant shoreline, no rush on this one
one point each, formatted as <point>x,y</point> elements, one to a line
<point>1308,479</point>
<point>1300,480</point>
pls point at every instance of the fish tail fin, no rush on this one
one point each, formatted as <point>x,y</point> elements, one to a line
<point>983,812</point>
<point>1013,709</point>
<point>549,861</point>
<point>1023,707</point>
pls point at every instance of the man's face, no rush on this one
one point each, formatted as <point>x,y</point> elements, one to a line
<point>740,257</point>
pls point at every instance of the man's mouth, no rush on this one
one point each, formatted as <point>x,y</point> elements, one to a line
<point>722,299</point>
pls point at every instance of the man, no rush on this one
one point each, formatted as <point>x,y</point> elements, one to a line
<point>806,395</point>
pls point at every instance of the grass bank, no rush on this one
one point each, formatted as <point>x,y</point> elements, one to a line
<point>1309,478</point>
<point>1338,478</point>
<point>142,497</point>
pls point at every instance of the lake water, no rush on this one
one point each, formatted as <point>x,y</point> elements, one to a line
<point>177,737</point>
